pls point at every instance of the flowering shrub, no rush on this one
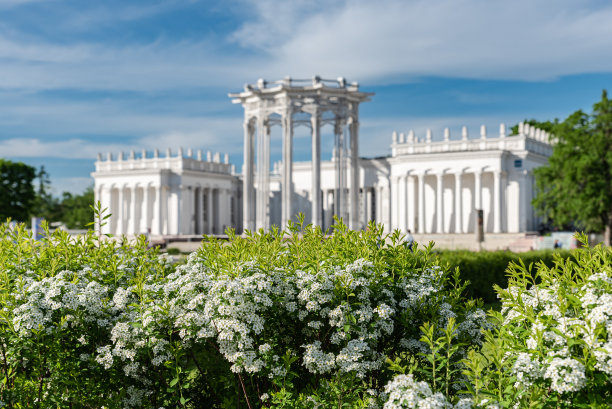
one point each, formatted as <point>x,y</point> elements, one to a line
<point>550,347</point>
<point>281,319</point>
<point>60,297</point>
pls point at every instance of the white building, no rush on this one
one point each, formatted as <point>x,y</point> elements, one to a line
<point>425,185</point>
<point>169,195</point>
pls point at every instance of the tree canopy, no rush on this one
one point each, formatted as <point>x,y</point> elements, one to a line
<point>576,186</point>
<point>16,190</point>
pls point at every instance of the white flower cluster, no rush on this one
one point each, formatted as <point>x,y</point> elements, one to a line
<point>340,317</point>
<point>404,392</point>
<point>567,323</point>
<point>58,299</point>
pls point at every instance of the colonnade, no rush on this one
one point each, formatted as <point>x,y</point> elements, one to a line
<point>256,205</point>
<point>412,210</point>
<point>163,209</point>
<point>324,101</point>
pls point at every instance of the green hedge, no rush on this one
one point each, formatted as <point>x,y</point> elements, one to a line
<point>485,268</point>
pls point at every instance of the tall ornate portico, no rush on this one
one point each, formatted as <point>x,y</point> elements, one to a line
<point>284,103</point>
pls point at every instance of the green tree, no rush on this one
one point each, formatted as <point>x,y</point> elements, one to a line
<point>16,190</point>
<point>45,205</point>
<point>576,186</point>
<point>75,209</point>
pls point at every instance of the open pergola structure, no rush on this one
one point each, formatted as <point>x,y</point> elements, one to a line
<point>285,103</point>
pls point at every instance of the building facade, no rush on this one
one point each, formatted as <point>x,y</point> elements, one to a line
<point>167,195</point>
<point>424,185</point>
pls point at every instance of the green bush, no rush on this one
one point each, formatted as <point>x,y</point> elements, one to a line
<point>281,319</point>
<point>550,346</point>
<point>484,269</point>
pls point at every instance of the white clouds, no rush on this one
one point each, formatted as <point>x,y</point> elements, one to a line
<point>216,134</point>
<point>372,41</point>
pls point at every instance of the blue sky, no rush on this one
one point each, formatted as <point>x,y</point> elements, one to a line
<point>79,77</point>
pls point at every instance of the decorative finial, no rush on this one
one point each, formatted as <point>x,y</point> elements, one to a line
<point>502,130</point>
<point>402,137</point>
<point>180,152</point>
<point>341,82</point>
<point>168,153</point>
<point>483,131</point>
<point>109,156</point>
<point>156,153</point>
<point>208,156</point>
<point>99,157</point>
<point>226,158</point>
<point>411,136</point>
<point>132,154</point>
<point>464,133</point>
<point>261,83</point>
<point>446,134</point>
<point>521,128</point>
<point>394,137</point>
<point>143,154</point>
<point>428,135</point>
<point>199,154</point>
<point>189,153</point>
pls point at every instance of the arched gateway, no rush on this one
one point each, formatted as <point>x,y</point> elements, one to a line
<point>325,101</point>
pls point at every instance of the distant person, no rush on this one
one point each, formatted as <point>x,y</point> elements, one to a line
<point>557,244</point>
<point>409,240</point>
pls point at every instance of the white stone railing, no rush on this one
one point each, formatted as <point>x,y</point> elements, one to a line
<point>528,138</point>
<point>212,162</point>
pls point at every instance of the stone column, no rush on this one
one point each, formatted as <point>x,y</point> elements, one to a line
<point>412,204</point>
<point>458,204</point>
<point>421,206</point>
<point>368,206</point>
<point>478,190</point>
<point>401,203</point>
<point>248,189</point>
<point>179,209</point>
<point>439,203</point>
<point>158,210</point>
<point>379,204</point>
<point>120,216</point>
<point>221,210</point>
<point>146,210</point>
<point>287,174</point>
<point>497,201</point>
<point>354,200</point>
<point>386,194</point>
<point>340,168</point>
<point>131,217</point>
<point>198,211</point>
<point>209,211</point>
<point>393,199</point>
<point>315,194</point>
<point>262,220</point>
